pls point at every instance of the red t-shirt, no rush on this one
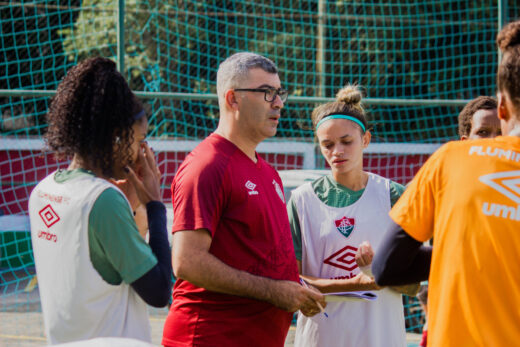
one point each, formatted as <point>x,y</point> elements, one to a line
<point>242,205</point>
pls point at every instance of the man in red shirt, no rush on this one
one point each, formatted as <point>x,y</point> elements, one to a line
<point>237,278</point>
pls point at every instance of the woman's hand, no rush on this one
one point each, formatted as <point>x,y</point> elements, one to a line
<point>146,180</point>
<point>366,282</point>
<point>364,254</point>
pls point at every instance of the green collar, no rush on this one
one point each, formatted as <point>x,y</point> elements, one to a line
<point>334,194</point>
<point>62,176</point>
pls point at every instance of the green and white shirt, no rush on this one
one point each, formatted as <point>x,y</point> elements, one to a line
<point>332,194</point>
<point>328,223</point>
<point>87,251</point>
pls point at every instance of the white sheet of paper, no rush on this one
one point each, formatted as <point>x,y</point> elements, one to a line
<point>350,296</point>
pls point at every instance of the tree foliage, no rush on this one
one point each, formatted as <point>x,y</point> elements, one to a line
<point>394,49</point>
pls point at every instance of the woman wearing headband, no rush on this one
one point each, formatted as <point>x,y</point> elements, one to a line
<point>95,272</point>
<point>336,221</point>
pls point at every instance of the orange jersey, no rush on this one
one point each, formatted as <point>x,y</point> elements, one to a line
<point>467,197</point>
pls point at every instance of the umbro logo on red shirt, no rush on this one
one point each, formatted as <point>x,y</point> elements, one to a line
<point>251,186</point>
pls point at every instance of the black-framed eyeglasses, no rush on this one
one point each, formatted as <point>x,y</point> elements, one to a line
<point>269,93</point>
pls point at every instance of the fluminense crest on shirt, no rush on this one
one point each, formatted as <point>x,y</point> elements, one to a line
<point>345,226</point>
<point>278,190</point>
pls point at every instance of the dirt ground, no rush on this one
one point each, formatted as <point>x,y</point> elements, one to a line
<point>21,322</point>
<point>26,329</point>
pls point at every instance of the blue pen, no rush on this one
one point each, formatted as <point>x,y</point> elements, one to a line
<point>322,310</point>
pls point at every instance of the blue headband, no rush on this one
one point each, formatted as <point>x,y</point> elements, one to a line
<point>341,116</point>
<point>139,115</point>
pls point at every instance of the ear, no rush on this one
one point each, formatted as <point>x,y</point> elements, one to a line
<point>503,112</point>
<point>367,136</point>
<point>464,137</point>
<point>231,99</point>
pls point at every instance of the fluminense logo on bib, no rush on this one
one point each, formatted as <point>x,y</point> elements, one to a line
<point>345,226</point>
<point>508,184</point>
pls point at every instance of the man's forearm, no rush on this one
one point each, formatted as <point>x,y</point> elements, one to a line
<point>193,262</point>
<point>357,283</point>
<point>203,269</point>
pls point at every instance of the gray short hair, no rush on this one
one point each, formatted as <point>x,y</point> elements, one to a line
<point>236,67</point>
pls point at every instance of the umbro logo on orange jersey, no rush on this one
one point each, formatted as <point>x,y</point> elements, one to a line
<point>251,186</point>
<point>508,184</point>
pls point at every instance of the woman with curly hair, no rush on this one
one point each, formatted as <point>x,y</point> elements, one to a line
<point>95,272</point>
<point>466,196</point>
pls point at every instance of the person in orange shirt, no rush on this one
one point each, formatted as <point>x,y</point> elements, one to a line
<point>467,197</point>
<point>478,119</point>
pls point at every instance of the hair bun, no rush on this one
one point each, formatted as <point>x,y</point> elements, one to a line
<point>509,36</point>
<point>350,95</point>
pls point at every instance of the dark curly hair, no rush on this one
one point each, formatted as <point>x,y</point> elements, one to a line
<point>508,76</point>
<point>466,115</point>
<point>92,115</point>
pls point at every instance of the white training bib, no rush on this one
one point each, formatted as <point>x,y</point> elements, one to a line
<point>330,238</point>
<point>77,303</point>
